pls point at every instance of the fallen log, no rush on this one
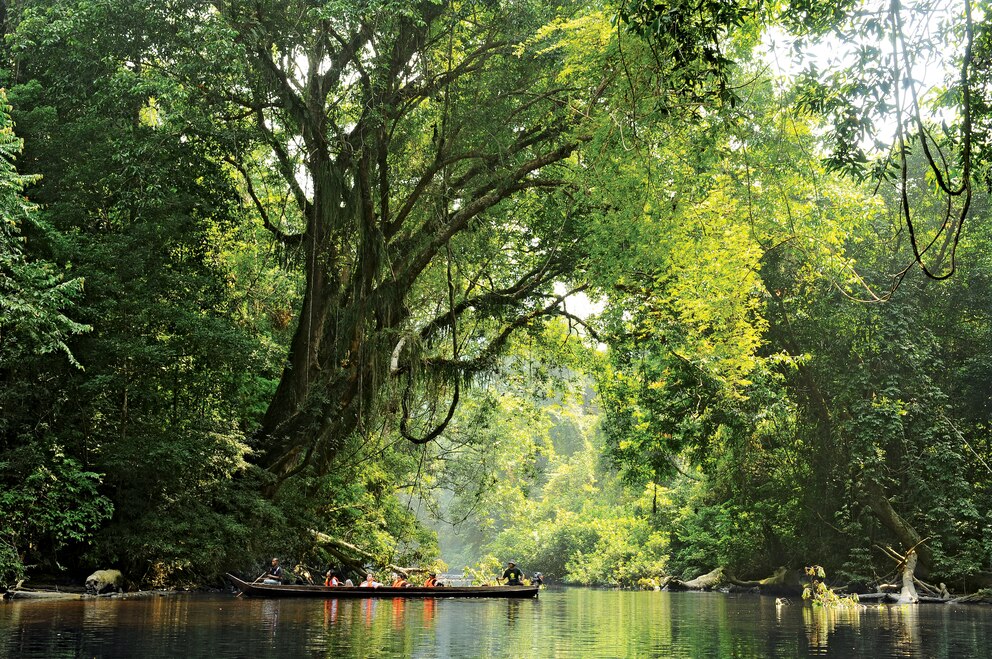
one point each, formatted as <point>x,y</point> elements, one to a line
<point>929,590</point>
<point>708,581</point>
<point>783,582</point>
<point>877,597</point>
<point>981,597</point>
<point>890,598</point>
<point>24,594</point>
<point>341,549</point>
<point>145,594</point>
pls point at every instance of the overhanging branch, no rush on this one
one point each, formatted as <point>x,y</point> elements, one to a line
<point>290,240</point>
<point>488,354</point>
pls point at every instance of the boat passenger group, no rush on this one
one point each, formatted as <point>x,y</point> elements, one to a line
<point>512,575</point>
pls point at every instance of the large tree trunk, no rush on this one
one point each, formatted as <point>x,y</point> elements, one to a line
<point>377,217</point>
<point>908,594</point>
<point>879,504</point>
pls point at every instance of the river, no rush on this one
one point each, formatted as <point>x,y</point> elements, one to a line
<point>572,622</point>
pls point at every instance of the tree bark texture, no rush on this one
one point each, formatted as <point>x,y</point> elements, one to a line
<point>908,594</point>
<point>879,504</point>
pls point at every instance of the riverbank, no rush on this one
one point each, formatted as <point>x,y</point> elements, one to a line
<point>63,594</point>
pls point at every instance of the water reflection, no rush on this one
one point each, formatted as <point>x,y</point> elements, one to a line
<point>270,618</point>
<point>428,613</point>
<point>904,621</point>
<point>563,623</point>
<point>832,629</point>
<point>330,612</point>
<point>821,622</point>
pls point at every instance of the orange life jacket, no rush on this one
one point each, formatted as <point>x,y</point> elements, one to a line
<point>430,583</point>
<point>399,583</point>
<point>332,581</point>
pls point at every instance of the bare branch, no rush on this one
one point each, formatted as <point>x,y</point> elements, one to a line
<point>291,240</point>
<point>513,182</point>
<point>488,354</point>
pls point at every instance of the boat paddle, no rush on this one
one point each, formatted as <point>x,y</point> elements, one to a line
<point>252,583</point>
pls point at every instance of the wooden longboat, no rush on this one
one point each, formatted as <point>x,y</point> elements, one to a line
<point>354,592</point>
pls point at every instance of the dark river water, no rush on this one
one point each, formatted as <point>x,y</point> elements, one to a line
<point>573,622</point>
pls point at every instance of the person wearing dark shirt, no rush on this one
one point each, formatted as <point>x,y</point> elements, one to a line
<point>513,574</point>
<point>274,573</point>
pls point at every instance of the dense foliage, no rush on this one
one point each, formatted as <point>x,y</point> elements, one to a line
<point>306,278</point>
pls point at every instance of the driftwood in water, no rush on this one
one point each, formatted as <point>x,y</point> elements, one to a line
<point>141,594</point>
<point>29,594</point>
<point>981,597</point>
<point>877,597</point>
<point>783,582</point>
<point>707,581</point>
<point>25,594</point>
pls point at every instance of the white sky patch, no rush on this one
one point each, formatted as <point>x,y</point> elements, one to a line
<point>580,304</point>
<point>930,68</point>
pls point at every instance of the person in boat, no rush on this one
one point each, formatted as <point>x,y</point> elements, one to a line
<point>512,574</point>
<point>274,574</point>
<point>370,582</point>
<point>331,579</point>
<point>432,581</point>
<point>538,579</point>
<point>399,581</point>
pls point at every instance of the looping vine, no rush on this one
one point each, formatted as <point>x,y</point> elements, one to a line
<point>404,403</point>
<point>952,225</point>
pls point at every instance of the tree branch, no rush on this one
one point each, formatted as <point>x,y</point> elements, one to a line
<point>425,179</point>
<point>290,240</point>
<point>488,354</point>
<point>340,545</point>
<point>515,181</point>
<point>473,62</point>
<point>286,166</point>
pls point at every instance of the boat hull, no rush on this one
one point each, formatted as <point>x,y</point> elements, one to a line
<point>385,592</point>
